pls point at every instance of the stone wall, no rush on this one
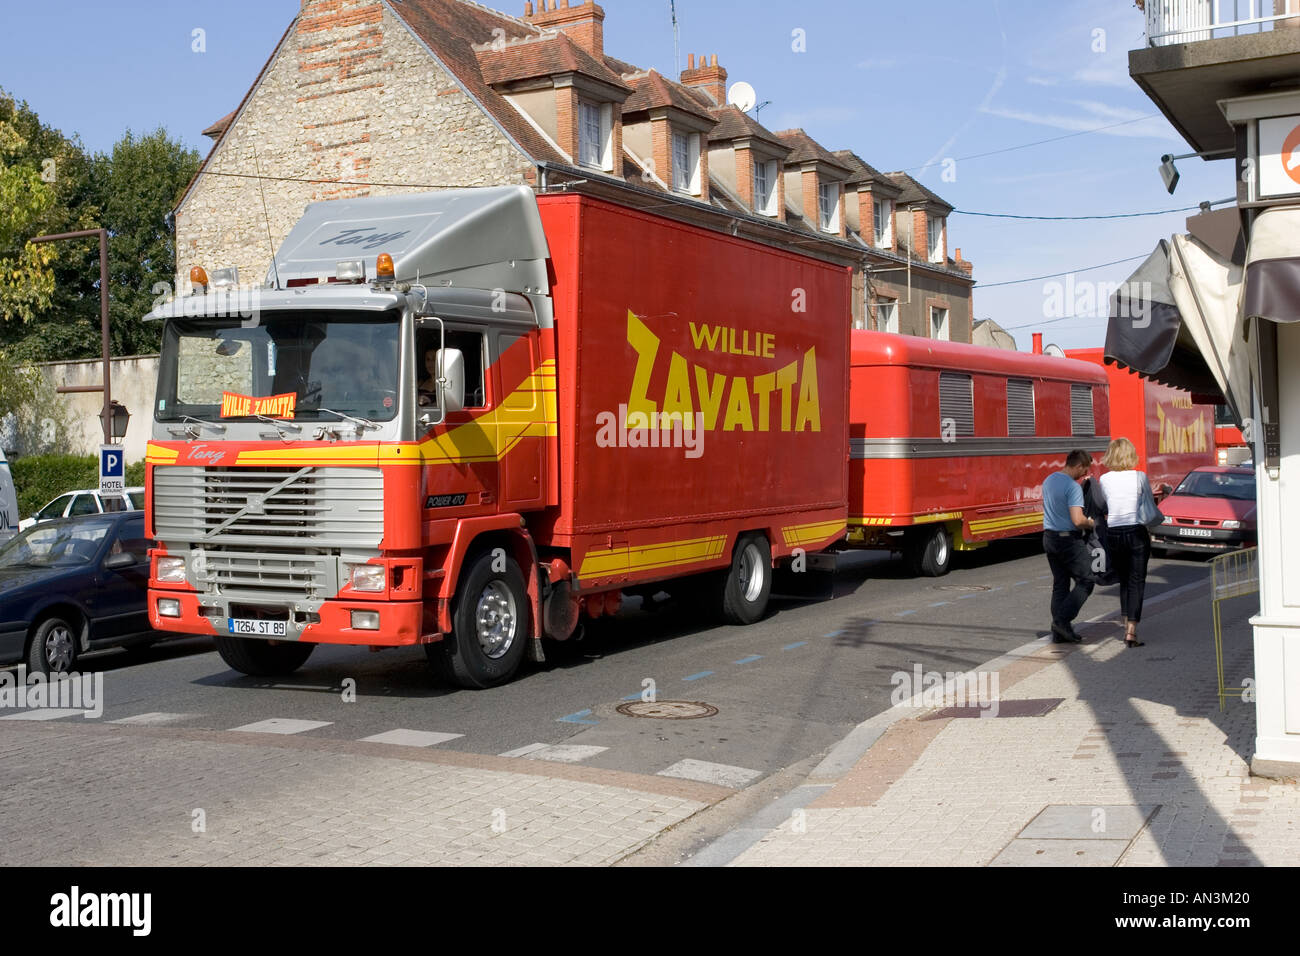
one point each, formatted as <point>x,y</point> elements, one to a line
<point>352,96</point>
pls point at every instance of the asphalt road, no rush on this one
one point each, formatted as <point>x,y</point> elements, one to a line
<point>786,688</point>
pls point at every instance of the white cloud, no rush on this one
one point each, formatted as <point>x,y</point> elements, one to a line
<point>1099,114</point>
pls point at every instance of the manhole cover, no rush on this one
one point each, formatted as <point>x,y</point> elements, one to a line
<point>961,587</point>
<point>667,709</point>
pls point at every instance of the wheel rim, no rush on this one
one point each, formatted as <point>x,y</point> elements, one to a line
<point>495,619</point>
<point>752,573</point>
<point>58,649</point>
<point>941,552</point>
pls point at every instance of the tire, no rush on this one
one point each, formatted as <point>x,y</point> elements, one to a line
<point>747,585</point>
<point>54,647</point>
<point>929,551</point>
<point>259,658</point>
<point>490,621</point>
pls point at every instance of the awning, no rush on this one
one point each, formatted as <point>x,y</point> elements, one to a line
<point>1273,266</point>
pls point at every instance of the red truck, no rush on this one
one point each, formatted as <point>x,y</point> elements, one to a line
<point>468,419</point>
<point>1171,433</point>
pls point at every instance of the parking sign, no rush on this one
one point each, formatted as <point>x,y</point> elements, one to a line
<point>112,469</point>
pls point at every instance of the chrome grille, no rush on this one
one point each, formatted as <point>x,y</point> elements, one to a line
<point>248,572</point>
<point>287,507</point>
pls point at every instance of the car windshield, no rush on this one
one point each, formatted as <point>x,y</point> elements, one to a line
<point>292,366</point>
<point>66,544</point>
<point>137,499</point>
<point>1217,484</point>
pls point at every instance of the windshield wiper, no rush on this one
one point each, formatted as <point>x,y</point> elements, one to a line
<point>193,432</point>
<point>279,423</point>
<point>361,423</point>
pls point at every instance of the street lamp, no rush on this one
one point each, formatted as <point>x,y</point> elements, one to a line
<point>118,417</point>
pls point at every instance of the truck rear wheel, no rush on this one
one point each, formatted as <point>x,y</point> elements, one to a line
<point>929,551</point>
<point>259,658</point>
<point>748,583</point>
<point>489,619</point>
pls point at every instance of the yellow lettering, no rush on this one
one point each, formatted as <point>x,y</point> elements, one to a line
<point>763,385</point>
<point>809,407</point>
<point>769,345</point>
<point>738,412</point>
<point>785,378</point>
<point>646,344</point>
<point>710,398</point>
<point>701,335</point>
<point>677,395</point>
<point>1160,419</point>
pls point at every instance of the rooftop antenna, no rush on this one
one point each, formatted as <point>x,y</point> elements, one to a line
<point>267,216</point>
<point>677,59</point>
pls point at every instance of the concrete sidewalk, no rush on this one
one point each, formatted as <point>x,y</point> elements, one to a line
<point>1134,766</point>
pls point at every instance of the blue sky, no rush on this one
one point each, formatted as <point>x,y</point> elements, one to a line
<point>904,85</point>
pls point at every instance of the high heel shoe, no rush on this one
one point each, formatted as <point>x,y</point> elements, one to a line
<point>1130,637</point>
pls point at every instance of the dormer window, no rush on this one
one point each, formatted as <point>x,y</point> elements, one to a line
<point>934,228</point>
<point>828,207</point>
<point>765,172</point>
<point>882,213</point>
<point>686,162</point>
<point>594,134</point>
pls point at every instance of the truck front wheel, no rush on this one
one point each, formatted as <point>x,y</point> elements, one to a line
<point>259,658</point>
<point>748,582</point>
<point>490,618</point>
<point>929,551</point>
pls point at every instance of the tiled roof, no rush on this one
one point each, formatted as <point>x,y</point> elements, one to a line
<point>733,124</point>
<point>914,192</point>
<point>805,149</point>
<point>219,127</point>
<point>653,89</point>
<point>545,55</point>
<point>864,172</point>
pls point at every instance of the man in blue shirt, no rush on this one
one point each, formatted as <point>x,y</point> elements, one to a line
<point>1064,530</point>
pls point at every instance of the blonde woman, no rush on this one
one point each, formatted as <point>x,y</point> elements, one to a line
<point>1127,539</point>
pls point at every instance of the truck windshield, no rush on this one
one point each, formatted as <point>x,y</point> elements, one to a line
<point>287,367</point>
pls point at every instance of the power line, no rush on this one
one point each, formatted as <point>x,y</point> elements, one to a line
<point>1035,325</point>
<point>1037,142</point>
<point>1055,275</point>
<point>1115,215</point>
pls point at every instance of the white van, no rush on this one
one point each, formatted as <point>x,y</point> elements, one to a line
<point>8,501</point>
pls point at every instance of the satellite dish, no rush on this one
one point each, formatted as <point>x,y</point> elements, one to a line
<point>1055,351</point>
<point>742,96</point>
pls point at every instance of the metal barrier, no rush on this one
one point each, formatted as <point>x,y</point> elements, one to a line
<point>1231,575</point>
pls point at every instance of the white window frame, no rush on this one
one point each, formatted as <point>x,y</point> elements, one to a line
<point>882,222</point>
<point>766,204</point>
<point>888,310</point>
<point>601,111</point>
<point>939,329</point>
<point>829,223</point>
<point>935,226</point>
<point>687,179</point>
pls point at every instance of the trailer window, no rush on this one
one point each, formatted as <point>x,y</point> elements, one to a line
<point>1020,407</point>
<point>1081,418</point>
<point>956,405</point>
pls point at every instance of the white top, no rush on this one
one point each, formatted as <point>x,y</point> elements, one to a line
<point>1122,490</point>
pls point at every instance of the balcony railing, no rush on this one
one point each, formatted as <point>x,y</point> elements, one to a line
<point>1189,21</point>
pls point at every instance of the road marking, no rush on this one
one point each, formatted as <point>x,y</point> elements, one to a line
<point>790,647</point>
<point>45,713</point>
<point>965,596</point>
<point>749,660</point>
<point>838,633</point>
<point>154,717</point>
<point>576,718</point>
<point>904,613</point>
<point>991,590</point>
<point>524,751</point>
<point>704,772</point>
<point>564,753</point>
<point>636,696</point>
<point>282,725</point>
<point>304,687</point>
<point>1018,583</point>
<point>411,738</point>
<point>698,676</point>
<point>939,603</point>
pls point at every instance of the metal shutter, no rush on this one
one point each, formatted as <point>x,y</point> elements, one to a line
<point>1081,420</point>
<point>956,402</point>
<point>1020,406</point>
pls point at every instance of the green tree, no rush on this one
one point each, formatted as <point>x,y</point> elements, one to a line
<point>136,186</point>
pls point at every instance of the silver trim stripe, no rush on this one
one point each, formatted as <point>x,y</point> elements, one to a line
<point>970,447</point>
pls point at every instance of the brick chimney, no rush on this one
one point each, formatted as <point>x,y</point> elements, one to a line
<point>583,23</point>
<point>963,264</point>
<point>708,76</point>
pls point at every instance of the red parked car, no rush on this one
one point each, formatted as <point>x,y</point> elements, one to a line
<point>1212,509</point>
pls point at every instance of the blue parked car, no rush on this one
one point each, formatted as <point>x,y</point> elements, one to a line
<point>72,585</point>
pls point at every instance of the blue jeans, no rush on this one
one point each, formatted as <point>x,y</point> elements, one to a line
<point>1070,561</point>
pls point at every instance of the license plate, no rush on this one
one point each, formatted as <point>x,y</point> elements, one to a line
<point>1196,532</point>
<point>258,628</point>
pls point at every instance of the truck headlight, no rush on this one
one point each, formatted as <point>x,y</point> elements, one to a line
<point>367,577</point>
<point>1232,523</point>
<point>170,569</point>
<point>169,607</point>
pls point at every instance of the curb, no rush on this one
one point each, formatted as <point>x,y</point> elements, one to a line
<point>845,755</point>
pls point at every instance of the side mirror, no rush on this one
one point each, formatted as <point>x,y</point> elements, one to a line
<point>451,380</point>
<point>123,559</point>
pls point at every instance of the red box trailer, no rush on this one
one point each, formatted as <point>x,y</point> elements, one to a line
<point>538,402</point>
<point>1172,434</point>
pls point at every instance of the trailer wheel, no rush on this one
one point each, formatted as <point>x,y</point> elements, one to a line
<point>489,619</point>
<point>929,551</point>
<point>748,583</point>
<point>259,658</point>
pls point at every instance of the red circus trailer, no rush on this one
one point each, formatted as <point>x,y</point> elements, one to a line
<point>950,443</point>
<point>536,403</point>
<point>1172,434</point>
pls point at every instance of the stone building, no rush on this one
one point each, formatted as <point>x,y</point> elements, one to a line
<point>372,97</point>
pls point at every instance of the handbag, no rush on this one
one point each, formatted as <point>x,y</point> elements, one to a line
<point>1148,513</point>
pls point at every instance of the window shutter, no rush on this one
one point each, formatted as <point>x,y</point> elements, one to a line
<point>1020,407</point>
<point>1081,420</point>
<point>956,402</point>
